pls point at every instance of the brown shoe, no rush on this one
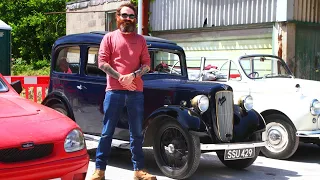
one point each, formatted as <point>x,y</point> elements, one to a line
<point>143,175</point>
<point>98,175</point>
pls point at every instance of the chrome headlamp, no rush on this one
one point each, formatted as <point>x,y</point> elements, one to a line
<point>200,103</point>
<point>315,107</point>
<point>74,141</point>
<point>246,102</point>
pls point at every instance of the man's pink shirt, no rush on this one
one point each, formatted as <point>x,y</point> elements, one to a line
<point>125,53</point>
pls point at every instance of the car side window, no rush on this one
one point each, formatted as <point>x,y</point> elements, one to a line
<point>92,68</point>
<point>68,60</point>
<point>234,71</point>
<point>166,62</point>
<point>224,68</point>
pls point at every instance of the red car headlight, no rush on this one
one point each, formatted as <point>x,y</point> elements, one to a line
<point>74,141</point>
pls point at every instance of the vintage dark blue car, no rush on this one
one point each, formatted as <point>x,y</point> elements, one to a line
<point>182,118</point>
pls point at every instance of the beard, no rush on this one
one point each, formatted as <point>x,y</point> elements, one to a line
<point>126,25</point>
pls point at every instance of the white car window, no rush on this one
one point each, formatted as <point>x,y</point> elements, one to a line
<point>234,71</point>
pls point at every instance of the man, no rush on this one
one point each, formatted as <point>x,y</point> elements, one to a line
<point>124,57</point>
<point>64,65</point>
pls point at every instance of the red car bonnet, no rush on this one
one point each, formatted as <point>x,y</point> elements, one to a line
<point>22,120</point>
<point>12,106</point>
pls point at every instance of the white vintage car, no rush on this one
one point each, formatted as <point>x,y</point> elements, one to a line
<point>289,105</point>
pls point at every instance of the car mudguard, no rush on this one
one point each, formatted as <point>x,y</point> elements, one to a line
<point>58,97</point>
<point>247,123</point>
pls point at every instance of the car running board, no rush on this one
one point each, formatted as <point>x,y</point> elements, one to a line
<point>115,143</point>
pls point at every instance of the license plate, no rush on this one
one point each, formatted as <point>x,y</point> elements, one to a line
<point>55,179</point>
<point>233,154</point>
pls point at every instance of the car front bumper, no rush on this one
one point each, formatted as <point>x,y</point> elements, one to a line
<point>65,169</point>
<point>224,146</point>
<point>309,134</point>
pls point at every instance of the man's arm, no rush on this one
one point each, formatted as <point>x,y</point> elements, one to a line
<point>109,70</point>
<point>142,70</point>
<point>104,58</point>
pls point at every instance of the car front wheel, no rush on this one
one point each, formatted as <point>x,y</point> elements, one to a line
<point>60,108</point>
<point>238,164</point>
<point>176,151</point>
<point>282,141</point>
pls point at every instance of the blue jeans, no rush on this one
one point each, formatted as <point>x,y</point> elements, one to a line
<point>113,105</point>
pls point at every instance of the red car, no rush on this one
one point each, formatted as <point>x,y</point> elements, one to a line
<point>38,142</point>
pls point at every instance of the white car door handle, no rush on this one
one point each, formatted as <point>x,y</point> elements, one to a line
<point>80,87</point>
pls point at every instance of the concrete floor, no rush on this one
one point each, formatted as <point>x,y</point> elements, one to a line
<point>305,164</point>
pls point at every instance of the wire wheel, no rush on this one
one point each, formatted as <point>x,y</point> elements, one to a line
<point>176,151</point>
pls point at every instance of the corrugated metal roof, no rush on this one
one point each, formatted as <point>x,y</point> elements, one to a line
<point>307,10</point>
<point>185,14</point>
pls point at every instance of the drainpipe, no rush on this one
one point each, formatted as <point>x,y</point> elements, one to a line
<point>145,17</point>
<point>280,42</point>
<point>140,16</point>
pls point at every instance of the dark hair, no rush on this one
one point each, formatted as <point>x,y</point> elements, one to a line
<point>129,5</point>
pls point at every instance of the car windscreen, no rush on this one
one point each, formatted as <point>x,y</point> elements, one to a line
<point>264,67</point>
<point>3,86</point>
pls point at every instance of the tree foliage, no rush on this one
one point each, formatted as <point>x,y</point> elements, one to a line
<point>135,2</point>
<point>33,31</point>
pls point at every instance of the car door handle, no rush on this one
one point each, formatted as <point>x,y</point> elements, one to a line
<point>80,87</point>
<point>167,100</point>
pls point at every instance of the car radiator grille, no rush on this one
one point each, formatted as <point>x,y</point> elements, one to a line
<point>224,114</point>
<point>12,155</point>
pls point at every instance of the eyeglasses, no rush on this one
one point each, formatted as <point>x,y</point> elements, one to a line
<point>125,16</point>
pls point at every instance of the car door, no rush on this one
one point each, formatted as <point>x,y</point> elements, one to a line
<point>66,73</point>
<point>91,91</point>
<point>160,83</point>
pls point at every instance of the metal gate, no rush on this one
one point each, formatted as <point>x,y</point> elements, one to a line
<point>307,52</point>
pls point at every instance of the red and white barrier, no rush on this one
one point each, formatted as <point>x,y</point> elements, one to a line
<point>32,81</point>
<point>29,79</point>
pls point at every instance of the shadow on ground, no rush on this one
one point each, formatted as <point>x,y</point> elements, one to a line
<point>210,167</point>
<point>307,153</point>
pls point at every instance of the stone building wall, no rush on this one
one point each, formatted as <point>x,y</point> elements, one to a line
<point>89,15</point>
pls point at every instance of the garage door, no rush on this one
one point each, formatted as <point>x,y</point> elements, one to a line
<point>307,52</point>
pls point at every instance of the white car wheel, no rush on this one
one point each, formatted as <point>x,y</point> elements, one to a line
<point>277,137</point>
<point>282,141</point>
